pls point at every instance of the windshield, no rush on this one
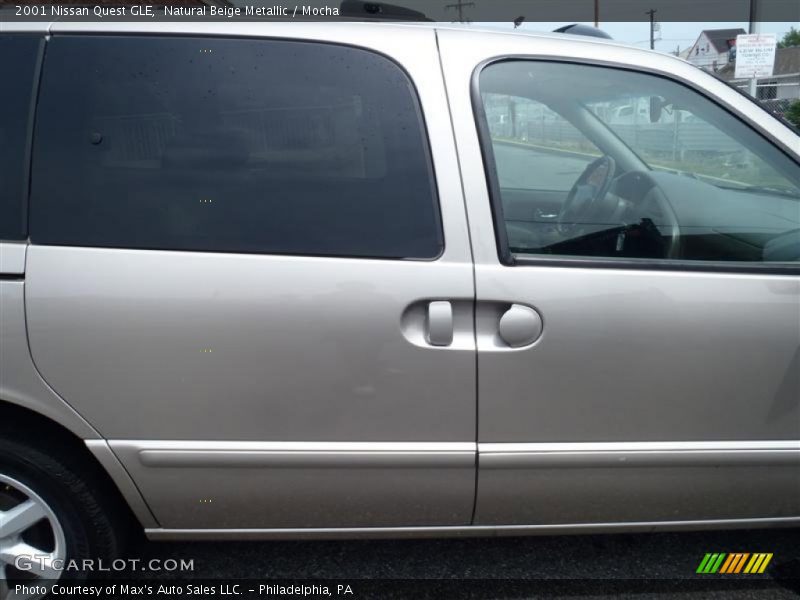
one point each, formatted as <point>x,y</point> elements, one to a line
<point>685,133</point>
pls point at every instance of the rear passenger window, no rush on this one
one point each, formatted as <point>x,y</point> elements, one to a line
<point>17,74</point>
<point>233,146</point>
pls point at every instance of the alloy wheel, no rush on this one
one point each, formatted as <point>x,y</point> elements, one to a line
<point>32,541</point>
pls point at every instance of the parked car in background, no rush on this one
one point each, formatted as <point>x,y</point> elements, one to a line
<point>336,280</point>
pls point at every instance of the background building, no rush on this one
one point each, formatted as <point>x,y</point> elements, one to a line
<point>713,48</point>
<point>784,83</point>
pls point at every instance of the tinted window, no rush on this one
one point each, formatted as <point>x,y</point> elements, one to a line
<point>231,145</point>
<point>602,162</point>
<point>17,71</point>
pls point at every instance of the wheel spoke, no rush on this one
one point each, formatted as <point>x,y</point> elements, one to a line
<point>20,518</point>
<point>32,560</point>
<point>18,555</point>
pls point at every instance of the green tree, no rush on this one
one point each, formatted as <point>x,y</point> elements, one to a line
<point>792,38</point>
<point>793,113</point>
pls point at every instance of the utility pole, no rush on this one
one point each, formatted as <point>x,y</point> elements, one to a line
<point>460,5</point>
<point>597,13</point>
<point>752,26</point>
<point>652,13</point>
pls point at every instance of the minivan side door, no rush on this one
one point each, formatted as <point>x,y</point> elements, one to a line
<point>638,328</point>
<point>250,271</point>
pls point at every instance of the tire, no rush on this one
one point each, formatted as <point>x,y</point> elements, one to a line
<point>53,484</point>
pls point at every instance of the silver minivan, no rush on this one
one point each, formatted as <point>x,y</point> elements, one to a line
<point>281,280</point>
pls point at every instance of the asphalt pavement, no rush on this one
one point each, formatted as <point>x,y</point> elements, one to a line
<point>654,565</point>
<point>536,169</point>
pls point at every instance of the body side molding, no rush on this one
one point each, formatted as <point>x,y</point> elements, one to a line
<point>638,454</point>
<point>466,531</point>
<point>188,454</point>
<point>171,454</point>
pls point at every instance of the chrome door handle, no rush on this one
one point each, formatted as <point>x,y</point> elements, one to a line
<point>520,326</point>
<point>440,323</point>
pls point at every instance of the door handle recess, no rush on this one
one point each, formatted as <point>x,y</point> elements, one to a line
<point>440,323</point>
<point>520,326</point>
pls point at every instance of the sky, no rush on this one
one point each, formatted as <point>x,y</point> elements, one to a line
<point>672,34</point>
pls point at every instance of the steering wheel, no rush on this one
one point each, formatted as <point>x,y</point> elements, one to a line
<point>640,198</point>
<point>637,198</point>
<point>587,191</point>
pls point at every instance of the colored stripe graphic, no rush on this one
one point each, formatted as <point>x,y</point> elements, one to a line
<point>734,563</point>
<point>715,566</point>
<point>758,563</point>
<point>711,563</point>
<point>740,563</point>
<point>727,564</point>
<point>703,564</point>
<point>730,565</point>
<point>755,562</point>
<point>765,563</point>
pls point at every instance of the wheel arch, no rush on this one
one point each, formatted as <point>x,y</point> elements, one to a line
<point>93,455</point>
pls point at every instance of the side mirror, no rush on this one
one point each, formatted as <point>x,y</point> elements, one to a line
<point>656,107</point>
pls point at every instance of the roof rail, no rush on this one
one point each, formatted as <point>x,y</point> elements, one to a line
<point>360,9</point>
<point>578,29</point>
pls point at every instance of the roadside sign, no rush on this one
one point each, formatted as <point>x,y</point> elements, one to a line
<point>755,55</point>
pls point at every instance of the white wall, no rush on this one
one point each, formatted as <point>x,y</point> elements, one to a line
<point>706,54</point>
